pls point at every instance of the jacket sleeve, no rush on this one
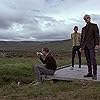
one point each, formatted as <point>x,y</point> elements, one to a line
<point>42,60</point>
<point>96,31</point>
<point>71,36</point>
<point>81,40</point>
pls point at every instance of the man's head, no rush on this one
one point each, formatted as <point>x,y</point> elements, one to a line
<point>87,18</point>
<point>75,28</point>
<point>45,51</point>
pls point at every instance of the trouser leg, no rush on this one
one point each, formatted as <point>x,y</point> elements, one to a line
<point>40,70</point>
<point>73,56</point>
<point>79,57</point>
<point>93,61</point>
<point>37,73</point>
<point>88,58</point>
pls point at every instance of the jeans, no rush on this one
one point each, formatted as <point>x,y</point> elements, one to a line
<point>76,48</point>
<point>40,70</point>
<point>91,60</point>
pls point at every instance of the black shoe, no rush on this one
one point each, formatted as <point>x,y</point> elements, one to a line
<point>94,77</point>
<point>88,75</point>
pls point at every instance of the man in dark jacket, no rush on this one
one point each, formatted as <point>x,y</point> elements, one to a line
<point>49,66</point>
<point>90,41</point>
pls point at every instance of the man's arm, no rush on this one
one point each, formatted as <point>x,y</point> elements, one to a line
<point>96,31</point>
<point>42,60</point>
<point>81,40</point>
<point>71,36</point>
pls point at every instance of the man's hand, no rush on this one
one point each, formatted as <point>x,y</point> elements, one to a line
<point>97,47</point>
<point>39,54</point>
<point>81,50</point>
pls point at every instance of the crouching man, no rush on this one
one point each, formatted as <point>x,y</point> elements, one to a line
<point>48,68</point>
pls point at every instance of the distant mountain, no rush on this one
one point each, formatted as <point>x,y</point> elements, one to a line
<point>29,48</point>
<point>32,46</point>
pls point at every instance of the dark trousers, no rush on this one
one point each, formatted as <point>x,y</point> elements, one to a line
<point>91,60</point>
<point>41,70</point>
<point>76,48</point>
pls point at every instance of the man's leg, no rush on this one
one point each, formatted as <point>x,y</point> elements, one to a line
<point>37,73</point>
<point>87,55</point>
<point>93,61</point>
<point>73,55</point>
<point>79,56</point>
<point>40,70</point>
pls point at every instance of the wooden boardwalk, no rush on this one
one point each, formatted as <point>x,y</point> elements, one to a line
<point>77,73</point>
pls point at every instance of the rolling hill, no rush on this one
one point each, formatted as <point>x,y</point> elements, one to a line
<point>35,46</point>
<point>30,47</point>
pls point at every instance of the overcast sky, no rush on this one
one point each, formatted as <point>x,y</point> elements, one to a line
<point>42,20</point>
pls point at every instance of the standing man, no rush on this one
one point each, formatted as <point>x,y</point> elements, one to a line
<point>90,41</point>
<point>76,46</point>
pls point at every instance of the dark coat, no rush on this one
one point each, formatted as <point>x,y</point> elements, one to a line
<point>90,36</point>
<point>49,62</point>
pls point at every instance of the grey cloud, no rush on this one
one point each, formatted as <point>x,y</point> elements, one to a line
<point>38,19</point>
<point>96,18</point>
<point>53,36</point>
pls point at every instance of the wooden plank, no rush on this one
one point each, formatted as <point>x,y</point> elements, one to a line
<point>63,67</point>
<point>64,73</point>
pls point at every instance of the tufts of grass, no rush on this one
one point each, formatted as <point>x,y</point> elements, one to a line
<point>13,70</point>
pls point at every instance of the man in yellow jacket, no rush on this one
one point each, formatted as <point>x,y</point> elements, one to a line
<point>75,37</point>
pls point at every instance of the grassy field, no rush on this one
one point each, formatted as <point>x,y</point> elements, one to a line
<point>13,70</point>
